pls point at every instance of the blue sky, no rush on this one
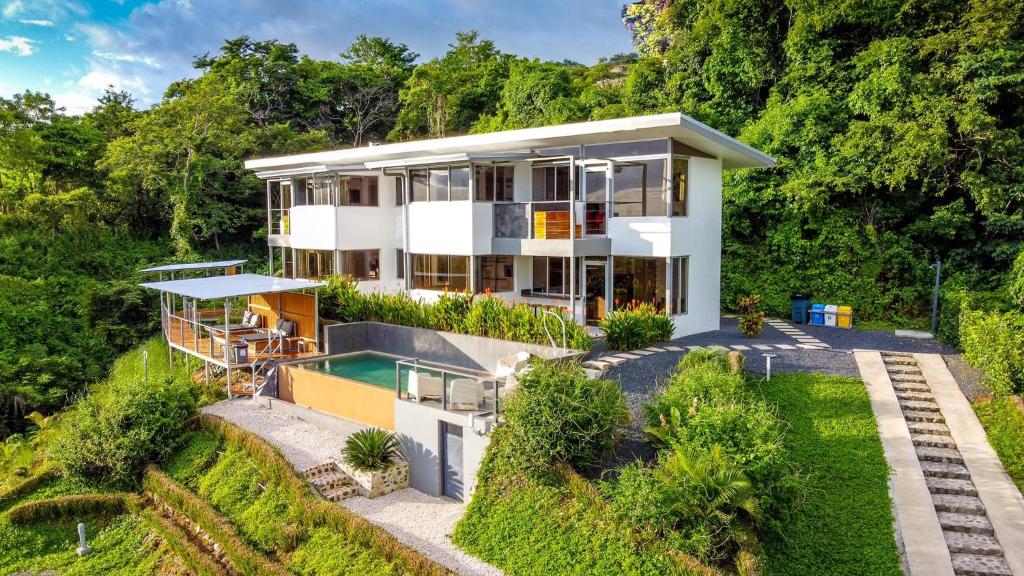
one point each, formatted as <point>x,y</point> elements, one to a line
<point>72,49</point>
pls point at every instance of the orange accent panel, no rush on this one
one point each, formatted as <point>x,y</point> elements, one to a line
<point>342,397</point>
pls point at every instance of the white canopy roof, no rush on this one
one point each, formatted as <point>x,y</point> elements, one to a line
<point>734,154</point>
<point>193,266</point>
<point>228,286</point>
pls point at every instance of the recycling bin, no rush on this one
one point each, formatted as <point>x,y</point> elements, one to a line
<point>800,304</point>
<point>844,317</point>
<point>817,314</point>
<point>830,314</point>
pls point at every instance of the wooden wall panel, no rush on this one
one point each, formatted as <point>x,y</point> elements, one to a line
<point>295,307</point>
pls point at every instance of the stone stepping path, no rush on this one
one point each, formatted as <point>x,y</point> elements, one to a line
<point>805,340</point>
<point>969,536</point>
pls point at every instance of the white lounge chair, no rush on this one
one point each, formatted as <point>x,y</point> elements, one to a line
<point>423,385</point>
<point>466,394</point>
<point>512,364</point>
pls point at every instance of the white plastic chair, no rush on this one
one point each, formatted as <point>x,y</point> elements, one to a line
<point>423,385</point>
<point>511,364</point>
<point>466,394</point>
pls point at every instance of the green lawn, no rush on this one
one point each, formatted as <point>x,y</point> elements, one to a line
<point>1004,424</point>
<point>845,525</point>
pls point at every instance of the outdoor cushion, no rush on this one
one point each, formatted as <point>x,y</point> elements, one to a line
<point>255,321</point>
<point>247,317</point>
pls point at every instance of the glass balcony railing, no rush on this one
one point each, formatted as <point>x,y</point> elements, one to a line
<point>550,220</point>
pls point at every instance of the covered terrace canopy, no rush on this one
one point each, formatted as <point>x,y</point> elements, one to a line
<point>194,266</point>
<point>281,322</point>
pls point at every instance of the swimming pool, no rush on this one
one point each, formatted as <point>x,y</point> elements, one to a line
<point>366,367</point>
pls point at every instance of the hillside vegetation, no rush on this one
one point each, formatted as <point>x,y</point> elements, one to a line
<point>897,127</point>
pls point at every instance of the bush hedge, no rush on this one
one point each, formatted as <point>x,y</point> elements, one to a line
<point>458,312</point>
<point>993,342</point>
<point>558,414</point>
<point>72,507</point>
<point>636,327</point>
<point>109,437</point>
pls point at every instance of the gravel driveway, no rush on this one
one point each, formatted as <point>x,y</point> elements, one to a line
<point>414,518</point>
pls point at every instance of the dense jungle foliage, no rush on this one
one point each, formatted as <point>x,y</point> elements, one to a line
<point>897,126</point>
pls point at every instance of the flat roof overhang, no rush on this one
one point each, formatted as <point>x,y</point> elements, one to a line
<point>216,287</point>
<point>194,266</point>
<point>734,154</point>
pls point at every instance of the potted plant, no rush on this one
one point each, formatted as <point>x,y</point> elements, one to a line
<point>751,317</point>
<point>373,458</point>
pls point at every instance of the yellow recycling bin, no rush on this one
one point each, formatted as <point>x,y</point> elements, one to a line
<point>844,317</point>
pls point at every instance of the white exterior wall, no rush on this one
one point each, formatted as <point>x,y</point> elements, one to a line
<point>441,228</point>
<point>699,237</point>
<point>314,227</point>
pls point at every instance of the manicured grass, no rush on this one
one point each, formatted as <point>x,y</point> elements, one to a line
<point>845,524</point>
<point>1004,424</point>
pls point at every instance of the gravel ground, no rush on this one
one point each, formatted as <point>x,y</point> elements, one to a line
<point>969,378</point>
<point>415,519</point>
<point>424,523</point>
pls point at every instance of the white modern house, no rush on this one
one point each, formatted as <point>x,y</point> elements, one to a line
<point>587,217</point>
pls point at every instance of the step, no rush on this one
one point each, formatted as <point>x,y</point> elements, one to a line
<point>930,454</point>
<point>919,416</point>
<point>953,486</point>
<point>919,406</point>
<point>934,440</point>
<point>899,360</point>
<point>968,543</point>
<point>915,378</point>
<point>910,386</point>
<point>898,369</point>
<point>319,469</point>
<point>340,493</point>
<point>978,565</point>
<point>959,504</point>
<point>920,396</point>
<point>945,470</point>
<point>332,480</point>
<point>928,427</point>
<point>972,523</point>
<point>893,354</point>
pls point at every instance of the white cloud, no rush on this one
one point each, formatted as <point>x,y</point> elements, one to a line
<point>44,23</point>
<point>132,58</point>
<point>12,8</point>
<point>17,44</point>
<point>52,10</point>
<point>70,38</point>
<point>99,78</point>
<point>75,102</point>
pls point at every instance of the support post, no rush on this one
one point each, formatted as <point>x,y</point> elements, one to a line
<point>316,318</point>
<point>227,343</point>
<point>935,296</point>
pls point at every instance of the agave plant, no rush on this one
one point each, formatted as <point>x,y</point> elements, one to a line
<point>371,449</point>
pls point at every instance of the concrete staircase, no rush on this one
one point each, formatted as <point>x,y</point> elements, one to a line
<point>969,535</point>
<point>330,481</point>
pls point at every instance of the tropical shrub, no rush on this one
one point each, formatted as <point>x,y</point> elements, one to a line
<point>371,449</point>
<point>636,327</point>
<point>1015,281</point>
<point>109,437</point>
<point>558,414</point>
<point>462,313</point>
<point>751,317</point>
<point>993,342</point>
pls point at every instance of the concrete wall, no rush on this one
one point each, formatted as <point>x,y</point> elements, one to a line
<point>419,429</point>
<point>459,350</point>
<point>699,236</point>
<point>314,227</point>
<point>341,397</point>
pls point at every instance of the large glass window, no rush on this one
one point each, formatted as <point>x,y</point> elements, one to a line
<point>314,264</point>
<point>420,185</point>
<point>495,274</point>
<point>359,191</point>
<point>494,183</point>
<point>323,190</point>
<point>680,178</point>
<point>280,198</point>
<point>305,191</point>
<point>620,149</point>
<point>638,280</point>
<point>440,272</point>
<point>639,188</point>
<point>550,275</point>
<point>438,184</point>
<point>399,263</point>
<point>551,183</point>
<point>361,264</point>
<point>459,180</point>
<point>399,191</point>
<point>680,284</point>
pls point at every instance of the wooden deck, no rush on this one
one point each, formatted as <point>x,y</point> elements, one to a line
<point>181,335</point>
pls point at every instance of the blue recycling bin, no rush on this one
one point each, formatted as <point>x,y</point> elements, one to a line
<point>817,314</point>
<point>800,304</point>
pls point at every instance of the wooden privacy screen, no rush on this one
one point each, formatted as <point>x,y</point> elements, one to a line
<point>298,308</point>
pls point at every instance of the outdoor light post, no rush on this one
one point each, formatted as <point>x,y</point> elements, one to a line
<point>83,547</point>
<point>768,366</point>
<point>935,295</point>
<point>145,365</point>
